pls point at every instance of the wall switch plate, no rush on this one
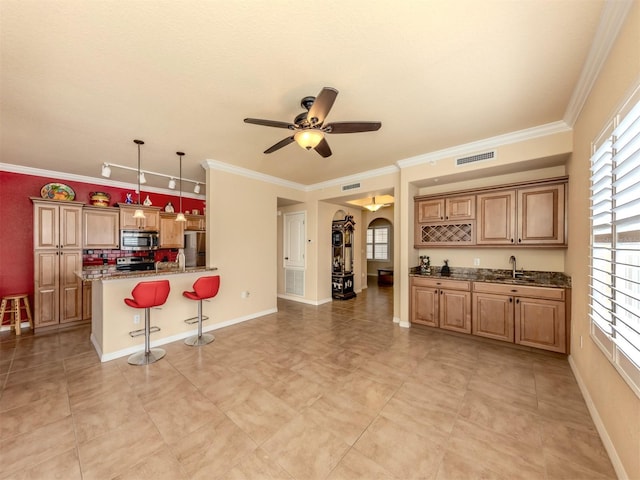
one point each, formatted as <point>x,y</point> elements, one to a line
<point>136,319</point>
<point>476,262</point>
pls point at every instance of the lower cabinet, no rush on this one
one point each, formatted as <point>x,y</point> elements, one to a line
<point>58,294</point>
<point>531,316</point>
<point>441,303</point>
<point>526,315</point>
<point>86,300</point>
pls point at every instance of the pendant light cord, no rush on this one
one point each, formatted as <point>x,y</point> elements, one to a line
<point>180,154</point>
<point>138,142</point>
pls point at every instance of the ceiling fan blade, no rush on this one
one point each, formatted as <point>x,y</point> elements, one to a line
<point>282,143</point>
<point>269,123</point>
<point>352,127</point>
<point>322,105</point>
<point>323,148</point>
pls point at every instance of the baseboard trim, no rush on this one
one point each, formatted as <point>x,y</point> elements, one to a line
<point>602,430</point>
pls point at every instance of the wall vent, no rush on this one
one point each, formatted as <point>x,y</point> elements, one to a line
<point>476,158</point>
<point>351,186</point>
<point>294,282</point>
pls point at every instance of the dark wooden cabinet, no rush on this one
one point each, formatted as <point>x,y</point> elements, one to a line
<point>342,284</point>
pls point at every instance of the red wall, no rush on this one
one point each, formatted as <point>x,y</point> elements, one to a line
<point>16,221</point>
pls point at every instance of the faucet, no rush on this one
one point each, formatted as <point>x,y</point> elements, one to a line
<point>514,273</point>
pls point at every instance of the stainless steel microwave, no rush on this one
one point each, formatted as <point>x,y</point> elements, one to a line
<point>138,240</point>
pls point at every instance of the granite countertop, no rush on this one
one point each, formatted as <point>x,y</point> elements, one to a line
<point>108,272</point>
<point>526,277</point>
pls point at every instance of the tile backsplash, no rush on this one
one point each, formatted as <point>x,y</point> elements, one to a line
<point>108,257</point>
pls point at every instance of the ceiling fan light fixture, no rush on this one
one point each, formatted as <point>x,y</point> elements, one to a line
<point>309,138</point>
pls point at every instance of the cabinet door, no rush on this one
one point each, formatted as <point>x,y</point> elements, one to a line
<point>46,276</point>
<point>455,311</point>
<point>46,219</point>
<point>430,210</point>
<point>424,305</point>
<point>171,232</point>
<point>101,228</point>
<point>70,226</point>
<point>70,286</point>
<point>87,288</point>
<point>496,218</point>
<point>541,215</point>
<point>461,208</point>
<point>541,324</point>
<point>151,220</point>
<point>493,316</point>
<point>195,222</point>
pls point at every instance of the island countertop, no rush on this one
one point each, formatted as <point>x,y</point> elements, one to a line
<point>108,272</point>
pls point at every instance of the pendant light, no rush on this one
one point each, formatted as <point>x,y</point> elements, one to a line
<point>138,213</point>
<point>180,217</point>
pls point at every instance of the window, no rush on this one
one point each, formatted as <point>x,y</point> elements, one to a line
<point>378,243</point>
<point>615,242</point>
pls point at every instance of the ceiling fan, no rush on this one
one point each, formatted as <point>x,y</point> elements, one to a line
<point>309,126</point>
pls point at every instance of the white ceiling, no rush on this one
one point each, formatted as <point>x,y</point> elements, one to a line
<point>81,79</point>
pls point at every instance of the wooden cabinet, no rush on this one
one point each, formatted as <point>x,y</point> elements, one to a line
<point>57,259</point>
<point>523,216</point>
<point>525,315</point>
<point>86,300</point>
<point>196,222</point>
<point>100,227</point>
<point>441,303</point>
<point>171,232</point>
<point>151,220</point>
<point>446,209</point>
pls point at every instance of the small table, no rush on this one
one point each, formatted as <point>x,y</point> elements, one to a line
<point>385,276</point>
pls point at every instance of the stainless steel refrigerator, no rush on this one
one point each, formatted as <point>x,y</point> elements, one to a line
<point>195,249</point>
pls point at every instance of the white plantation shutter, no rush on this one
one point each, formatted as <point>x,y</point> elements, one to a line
<point>615,242</point>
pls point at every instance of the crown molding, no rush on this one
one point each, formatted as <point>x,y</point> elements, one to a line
<point>487,144</point>
<point>613,16</point>
<point>245,172</point>
<point>39,172</point>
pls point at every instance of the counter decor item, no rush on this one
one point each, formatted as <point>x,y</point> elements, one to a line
<point>425,265</point>
<point>169,208</point>
<point>99,199</point>
<point>147,202</point>
<point>57,191</point>
<point>445,271</point>
<point>128,200</point>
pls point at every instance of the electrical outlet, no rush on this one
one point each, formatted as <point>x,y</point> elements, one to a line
<point>476,262</point>
<point>244,294</point>
<point>136,319</point>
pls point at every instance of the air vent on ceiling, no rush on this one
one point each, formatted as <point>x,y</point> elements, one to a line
<point>351,186</point>
<point>476,158</point>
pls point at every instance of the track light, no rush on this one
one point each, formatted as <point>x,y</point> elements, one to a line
<point>142,178</point>
<point>172,184</point>
<point>106,170</point>
<point>172,181</point>
<point>196,189</point>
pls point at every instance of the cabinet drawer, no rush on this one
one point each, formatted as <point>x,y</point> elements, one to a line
<point>441,283</point>
<point>519,290</point>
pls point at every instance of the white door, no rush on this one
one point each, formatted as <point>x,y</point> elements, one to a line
<point>294,240</point>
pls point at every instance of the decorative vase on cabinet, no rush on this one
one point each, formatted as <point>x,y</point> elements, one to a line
<point>342,264</point>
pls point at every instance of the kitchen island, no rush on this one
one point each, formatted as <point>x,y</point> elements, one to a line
<point>112,319</point>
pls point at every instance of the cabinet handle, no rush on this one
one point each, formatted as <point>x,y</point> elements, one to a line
<point>441,292</point>
<point>436,291</point>
<point>510,299</point>
<point>518,301</point>
<point>512,240</point>
<point>519,240</point>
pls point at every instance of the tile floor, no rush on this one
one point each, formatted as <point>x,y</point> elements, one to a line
<point>330,392</point>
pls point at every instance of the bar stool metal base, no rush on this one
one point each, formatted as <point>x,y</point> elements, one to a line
<point>146,358</point>
<point>196,340</point>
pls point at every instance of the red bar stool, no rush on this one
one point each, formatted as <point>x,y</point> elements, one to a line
<point>147,295</point>
<point>203,288</point>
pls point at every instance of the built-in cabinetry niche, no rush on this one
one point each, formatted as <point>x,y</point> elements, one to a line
<point>342,263</point>
<point>524,214</point>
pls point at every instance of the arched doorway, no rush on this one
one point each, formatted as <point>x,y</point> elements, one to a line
<point>379,251</point>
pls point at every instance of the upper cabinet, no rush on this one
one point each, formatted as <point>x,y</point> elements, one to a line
<point>101,227</point>
<point>196,222</point>
<point>171,231</point>
<point>57,224</point>
<point>528,214</point>
<point>524,216</point>
<point>151,220</point>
